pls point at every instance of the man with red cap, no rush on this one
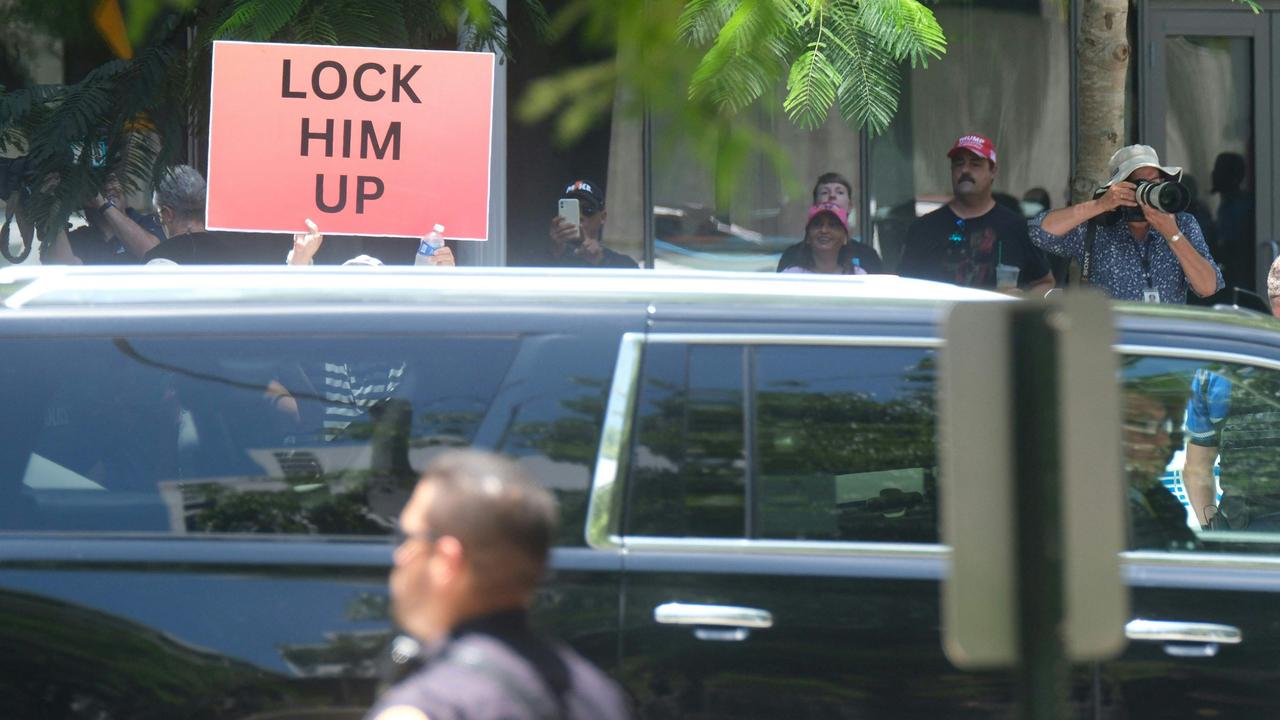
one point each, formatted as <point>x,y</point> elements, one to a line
<point>973,240</point>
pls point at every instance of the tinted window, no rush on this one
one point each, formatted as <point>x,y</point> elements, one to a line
<point>316,435</point>
<point>839,443</point>
<point>846,443</point>
<point>688,464</point>
<point>1202,454</point>
<point>548,416</point>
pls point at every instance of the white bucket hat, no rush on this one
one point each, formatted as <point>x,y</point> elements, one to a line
<point>1131,157</point>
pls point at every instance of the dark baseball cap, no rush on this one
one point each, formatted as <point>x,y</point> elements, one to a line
<point>586,192</point>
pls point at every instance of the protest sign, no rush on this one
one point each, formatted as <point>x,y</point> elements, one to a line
<point>365,141</point>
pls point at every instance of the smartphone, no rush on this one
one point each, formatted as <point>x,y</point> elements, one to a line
<point>571,211</point>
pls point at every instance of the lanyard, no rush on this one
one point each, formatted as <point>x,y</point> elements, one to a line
<point>1146,259</point>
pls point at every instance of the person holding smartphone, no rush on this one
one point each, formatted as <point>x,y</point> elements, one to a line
<point>577,230</point>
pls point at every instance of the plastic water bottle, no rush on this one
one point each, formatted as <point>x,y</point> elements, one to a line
<point>856,264</point>
<point>429,245</point>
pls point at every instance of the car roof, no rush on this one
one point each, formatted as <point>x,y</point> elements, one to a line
<point>174,287</point>
<point>69,288</point>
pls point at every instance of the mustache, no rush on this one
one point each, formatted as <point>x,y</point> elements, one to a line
<point>966,176</point>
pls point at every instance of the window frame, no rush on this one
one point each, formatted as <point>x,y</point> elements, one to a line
<point>1199,557</point>
<point>606,504</point>
<point>604,511</point>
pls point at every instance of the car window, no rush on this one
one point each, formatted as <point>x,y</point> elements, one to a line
<point>785,442</point>
<point>688,462</point>
<point>846,443</point>
<point>235,435</point>
<point>1201,443</point>
<point>548,416</point>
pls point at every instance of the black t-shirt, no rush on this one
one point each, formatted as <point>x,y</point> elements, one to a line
<point>222,248</point>
<point>867,257</point>
<point>942,246</point>
<point>612,259</point>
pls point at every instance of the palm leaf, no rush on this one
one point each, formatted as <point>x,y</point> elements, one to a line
<point>868,95</point>
<point>742,64</point>
<point>701,20</point>
<point>906,28</point>
<point>811,90</point>
<point>257,19</point>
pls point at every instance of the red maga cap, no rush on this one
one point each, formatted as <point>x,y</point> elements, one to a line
<point>976,144</point>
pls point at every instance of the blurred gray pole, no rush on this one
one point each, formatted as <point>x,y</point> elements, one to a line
<point>1042,670</point>
<point>493,252</point>
<point>1031,493</point>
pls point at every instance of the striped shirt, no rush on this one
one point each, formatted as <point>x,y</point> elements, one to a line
<point>350,390</point>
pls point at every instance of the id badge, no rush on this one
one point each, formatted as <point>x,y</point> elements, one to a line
<point>1151,295</point>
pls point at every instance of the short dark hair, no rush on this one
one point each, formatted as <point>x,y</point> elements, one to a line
<point>831,177</point>
<point>505,522</point>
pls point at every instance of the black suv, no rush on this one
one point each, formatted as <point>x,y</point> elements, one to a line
<point>200,469</point>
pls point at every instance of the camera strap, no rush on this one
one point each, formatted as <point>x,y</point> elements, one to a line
<point>4,239</point>
<point>1086,261</point>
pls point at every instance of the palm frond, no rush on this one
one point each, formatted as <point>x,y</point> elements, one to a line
<point>257,20</point>
<point>811,90</point>
<point>906,28</point>
<point>742,64</point>
<point>868,95</point>
<point>701,20</point>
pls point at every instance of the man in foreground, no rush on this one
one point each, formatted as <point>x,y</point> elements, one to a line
<point>476,534</point>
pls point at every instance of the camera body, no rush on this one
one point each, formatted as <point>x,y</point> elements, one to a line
<point>1168,196</point>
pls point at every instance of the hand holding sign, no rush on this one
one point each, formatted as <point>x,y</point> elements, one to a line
<point>305,245</point>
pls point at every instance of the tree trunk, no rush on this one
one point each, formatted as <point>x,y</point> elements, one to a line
<point>1103,62</point>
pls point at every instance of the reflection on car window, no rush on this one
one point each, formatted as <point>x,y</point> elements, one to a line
<point>847,446</point>
<point>688,464</point>
<point>548,416</point>
<point>1201,445</point>
<point>838,443</point>
<point>262,435</point>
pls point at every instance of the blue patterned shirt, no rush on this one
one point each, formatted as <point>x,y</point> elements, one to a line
<point>1124,266</point>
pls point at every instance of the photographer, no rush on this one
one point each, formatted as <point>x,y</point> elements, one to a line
<point>1133,239</point>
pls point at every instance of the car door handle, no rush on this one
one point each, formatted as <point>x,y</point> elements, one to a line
<point>1184,639</point>
<point>731,616</point>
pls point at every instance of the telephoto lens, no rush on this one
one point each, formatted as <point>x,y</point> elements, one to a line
<point>1166,196</point>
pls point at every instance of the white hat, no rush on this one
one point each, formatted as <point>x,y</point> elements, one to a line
<point>363,260</point>
<point>1131,157</point>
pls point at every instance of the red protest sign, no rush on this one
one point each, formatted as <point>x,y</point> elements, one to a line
<point>365,141</point>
